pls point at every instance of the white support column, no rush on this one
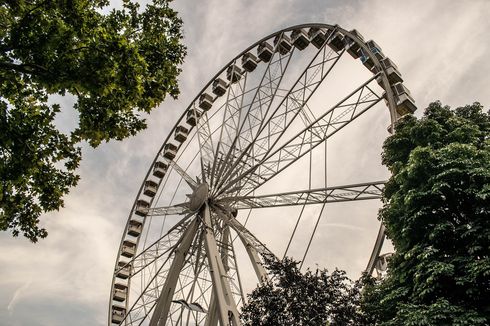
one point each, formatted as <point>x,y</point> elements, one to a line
<point>251,251</point>
<point>255,259</point>
<point>212,316</point>
<point>376,250</point>
<point>226,306</point>
<point>225,241</point>
<point>159,317</point>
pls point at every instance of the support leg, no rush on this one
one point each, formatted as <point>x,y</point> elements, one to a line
<point>226,306</point>
<point>212,317</point>
<point>376,250</point>
<point>251,251</point>
<point>159,317</point>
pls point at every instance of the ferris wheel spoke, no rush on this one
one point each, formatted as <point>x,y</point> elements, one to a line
<point>190,290</point>
<point>184,287</point>
<point>193,289</point>
<point>248,161</point>
<point>240,229</point>
<point>158,250</point>
<point>340,115</point>
<point>205,140</point>
<point>252,245</point>
<point>256,111</point>
<point>198,153</point>
<point>188,179</point>
<point>306,115</point>
<point>231,120</point>
<point>361,191</point>
<point>177,209</point>
<point>155,260</point>
<point>162,307</point>
<point>274,126</point>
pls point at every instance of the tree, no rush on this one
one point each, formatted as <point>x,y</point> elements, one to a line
<point>437,214</point>
<point>312,298</point>
<point>117,64</point>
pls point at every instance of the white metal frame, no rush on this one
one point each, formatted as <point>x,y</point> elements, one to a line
<point>195,258</point>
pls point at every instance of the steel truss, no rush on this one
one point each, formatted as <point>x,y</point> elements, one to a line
<point>363,191</point>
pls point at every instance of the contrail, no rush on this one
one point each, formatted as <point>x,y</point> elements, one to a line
<point>16,296</point>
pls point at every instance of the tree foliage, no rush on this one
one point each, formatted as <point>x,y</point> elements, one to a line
<point>311,298</point>
<point>118,64</point>
<point>437,214</point>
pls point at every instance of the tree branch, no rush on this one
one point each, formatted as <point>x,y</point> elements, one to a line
<point>24,68</point>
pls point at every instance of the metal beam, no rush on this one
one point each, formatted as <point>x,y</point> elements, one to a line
<point>160,314</point>
<point>213,313</point>
<point>205,140</point>
<point>231,120</point>
<point>311,78</point>
<point>248,244</point>
<point>277,159</point>
<point>177,209</point>
<point>257,110</point>
<point>376,250</point>
<point>228,312</point>
<point>255,259</point>
<point>188,179</point>
<point>361,191</point>
<point>212,316</point>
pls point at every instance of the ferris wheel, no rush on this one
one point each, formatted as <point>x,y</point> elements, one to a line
<point>268,113</point>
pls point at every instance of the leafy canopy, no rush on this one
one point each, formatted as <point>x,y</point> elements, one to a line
<point>311,298</point>
<point>118,64</point>
<point>437,214</point>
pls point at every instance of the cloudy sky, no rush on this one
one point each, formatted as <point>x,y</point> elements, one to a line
<point>440,46</point>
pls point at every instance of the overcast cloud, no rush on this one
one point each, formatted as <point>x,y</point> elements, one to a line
<point>441,47</point>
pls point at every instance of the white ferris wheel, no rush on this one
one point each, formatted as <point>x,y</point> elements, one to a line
<point>252,143</point>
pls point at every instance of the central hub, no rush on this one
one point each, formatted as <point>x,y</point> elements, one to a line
<point>199,197</point>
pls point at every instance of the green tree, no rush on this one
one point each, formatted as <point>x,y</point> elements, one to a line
<point>437,214</point>
<point>310,298</point>
<point>118,63</point>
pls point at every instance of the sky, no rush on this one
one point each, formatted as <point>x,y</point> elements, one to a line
<point>440,46</point>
